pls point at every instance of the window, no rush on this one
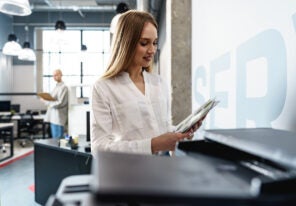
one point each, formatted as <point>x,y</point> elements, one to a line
<point>63,50</point>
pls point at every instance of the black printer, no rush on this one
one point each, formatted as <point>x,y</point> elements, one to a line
<point>244,167</point>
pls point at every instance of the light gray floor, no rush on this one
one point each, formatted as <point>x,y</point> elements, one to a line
<point>15,180</point>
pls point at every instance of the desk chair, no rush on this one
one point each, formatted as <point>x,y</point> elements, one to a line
<point>4,134</point>
<point>28,128</point>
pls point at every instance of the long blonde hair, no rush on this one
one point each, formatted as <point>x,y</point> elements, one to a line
<point>126,37</point>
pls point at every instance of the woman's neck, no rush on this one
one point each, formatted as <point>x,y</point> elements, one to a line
<point>136,74</point>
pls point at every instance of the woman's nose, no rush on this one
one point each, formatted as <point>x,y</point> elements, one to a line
<point>152,49</point>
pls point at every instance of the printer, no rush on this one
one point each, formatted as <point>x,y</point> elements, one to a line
<point>250,166</point>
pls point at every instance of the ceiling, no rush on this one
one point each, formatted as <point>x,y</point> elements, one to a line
<point>78,5</point>
<point>84,6</point>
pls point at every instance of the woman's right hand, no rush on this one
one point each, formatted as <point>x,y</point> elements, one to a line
<point>167,141</point>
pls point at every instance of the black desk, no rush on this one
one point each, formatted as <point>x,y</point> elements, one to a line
<point>53,163</point>
<point>37,118</point>
<point>8,127</point>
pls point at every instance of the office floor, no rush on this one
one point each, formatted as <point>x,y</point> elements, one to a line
<point>17,178</point>
<point>18,151</point>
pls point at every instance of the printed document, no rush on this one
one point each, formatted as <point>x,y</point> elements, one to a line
<point>197,115</point>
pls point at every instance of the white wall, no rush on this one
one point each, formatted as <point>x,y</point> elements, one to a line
<point>24,81</point>
<point>244,53</point>
<point>5,76</point>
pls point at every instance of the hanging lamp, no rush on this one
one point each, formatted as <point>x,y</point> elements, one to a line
<point>27,53</point>
<point>12,47</point>
<point>60,25</point>
<point>15,7</point>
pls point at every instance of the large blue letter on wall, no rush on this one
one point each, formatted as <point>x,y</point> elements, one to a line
<point>262,110</point>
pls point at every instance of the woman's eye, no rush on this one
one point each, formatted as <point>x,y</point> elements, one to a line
<point>143,43</point>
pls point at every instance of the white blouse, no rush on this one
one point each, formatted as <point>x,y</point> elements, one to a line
<point>123,118</point>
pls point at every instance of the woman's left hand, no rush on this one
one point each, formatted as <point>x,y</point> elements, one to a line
<point>195,127</point>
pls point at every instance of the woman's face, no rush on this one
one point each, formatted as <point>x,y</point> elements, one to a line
<point>146,46</point>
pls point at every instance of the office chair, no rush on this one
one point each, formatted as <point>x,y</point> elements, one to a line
<point>4,134</point>
<point>28,128</point>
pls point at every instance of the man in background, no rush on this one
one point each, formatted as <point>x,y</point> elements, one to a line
<point>57,110</point>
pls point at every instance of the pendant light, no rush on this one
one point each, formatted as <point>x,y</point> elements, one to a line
<point>15,7</point>
<point>60,25</point>
<point>12,47</point>
<point>27,54</point>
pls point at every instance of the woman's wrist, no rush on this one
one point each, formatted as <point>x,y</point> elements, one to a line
<point>154,145</point>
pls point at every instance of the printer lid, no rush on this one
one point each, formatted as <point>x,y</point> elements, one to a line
<point>158,178</point>
<point>271,144</point>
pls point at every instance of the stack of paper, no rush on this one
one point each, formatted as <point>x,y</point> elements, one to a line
<point>196,116</point>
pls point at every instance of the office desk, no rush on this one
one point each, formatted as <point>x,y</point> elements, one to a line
<point>38,118</point>
<point>53,163</point>
<point>5,113</point>
<point>8,126</point>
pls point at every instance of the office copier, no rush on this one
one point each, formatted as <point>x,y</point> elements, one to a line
<point>246,167</point>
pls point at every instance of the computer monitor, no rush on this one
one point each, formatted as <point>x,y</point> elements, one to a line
<point>16,108</point>
<point>5,106</point>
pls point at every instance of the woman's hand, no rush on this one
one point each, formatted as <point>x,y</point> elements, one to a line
<point>167,141</point>
<point>196,126</point>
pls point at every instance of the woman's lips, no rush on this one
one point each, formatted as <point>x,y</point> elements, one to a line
<point>148,58</point>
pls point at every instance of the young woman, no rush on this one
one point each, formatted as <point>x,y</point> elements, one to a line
<point>130,105</point>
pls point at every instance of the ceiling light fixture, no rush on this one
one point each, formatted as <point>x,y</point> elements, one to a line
<point>27,53</point>
<point>12,47</point>
<point>15,7</point>
<point>60,25</point>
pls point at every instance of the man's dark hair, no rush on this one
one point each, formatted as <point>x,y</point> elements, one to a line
<point>121,8</point>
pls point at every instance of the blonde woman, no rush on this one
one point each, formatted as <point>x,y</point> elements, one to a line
<point>130,105</point>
